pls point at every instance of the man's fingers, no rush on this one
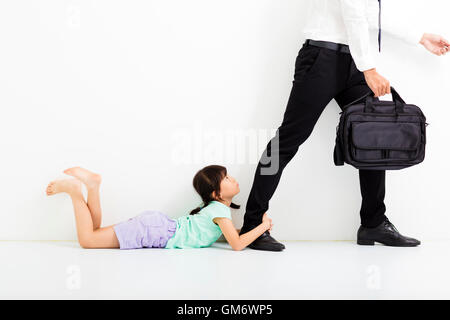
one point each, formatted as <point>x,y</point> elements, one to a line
<point>382,90</point>
<point>376,93</point>
<point>387,87</point>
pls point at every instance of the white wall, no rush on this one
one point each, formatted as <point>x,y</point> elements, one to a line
<point>114,85</point>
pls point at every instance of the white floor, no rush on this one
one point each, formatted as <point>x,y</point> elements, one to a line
<point>305,270</point>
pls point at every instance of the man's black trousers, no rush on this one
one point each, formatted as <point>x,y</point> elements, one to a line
<point>321,75</point>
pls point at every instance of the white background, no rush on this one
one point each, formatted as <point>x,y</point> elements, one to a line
<point>120,87</point>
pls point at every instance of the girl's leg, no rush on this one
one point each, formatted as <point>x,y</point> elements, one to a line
<point>92,182</point>
<point>93,202</point>
<point>87,236</point>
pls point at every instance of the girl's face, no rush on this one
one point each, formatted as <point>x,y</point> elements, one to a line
<point>229,187</point>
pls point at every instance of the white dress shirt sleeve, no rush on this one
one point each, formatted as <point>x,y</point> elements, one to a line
<point>354,13</point>
<point>403,26</point>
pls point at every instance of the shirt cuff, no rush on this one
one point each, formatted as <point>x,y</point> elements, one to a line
<point>413,37</point>
<point>364,64</point>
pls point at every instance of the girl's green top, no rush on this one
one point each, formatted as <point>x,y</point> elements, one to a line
<point>199,230</point>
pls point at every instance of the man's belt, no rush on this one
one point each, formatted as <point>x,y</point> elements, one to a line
<point>329,45</point>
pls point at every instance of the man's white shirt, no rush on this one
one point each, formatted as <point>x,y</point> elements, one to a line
<point>355,23</point>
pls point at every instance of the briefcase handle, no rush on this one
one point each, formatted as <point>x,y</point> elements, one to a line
<point>399,102</point>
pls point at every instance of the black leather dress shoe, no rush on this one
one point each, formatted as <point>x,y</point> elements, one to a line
<point>265,242</point>
<point>385,233</point>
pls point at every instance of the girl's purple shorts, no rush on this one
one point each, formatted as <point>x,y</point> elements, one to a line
<point>150,229</point>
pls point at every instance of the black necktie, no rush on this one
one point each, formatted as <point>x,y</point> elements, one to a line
<point>379,26</point>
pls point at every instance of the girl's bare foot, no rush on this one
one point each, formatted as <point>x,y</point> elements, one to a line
<point>90,179</point>
<point>70,186</point>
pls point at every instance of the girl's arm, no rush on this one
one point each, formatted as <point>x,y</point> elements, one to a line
<point>239,242</point>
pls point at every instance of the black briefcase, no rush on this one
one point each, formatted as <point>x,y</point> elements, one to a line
<point>380,135</point>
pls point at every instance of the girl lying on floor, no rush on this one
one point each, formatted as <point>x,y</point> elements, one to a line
<point>153,229</point>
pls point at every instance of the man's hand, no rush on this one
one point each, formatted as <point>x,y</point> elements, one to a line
<point>435,44</point>
<point>377,83</point>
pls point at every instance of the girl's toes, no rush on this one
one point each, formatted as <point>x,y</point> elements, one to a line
<point>50,188</point>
